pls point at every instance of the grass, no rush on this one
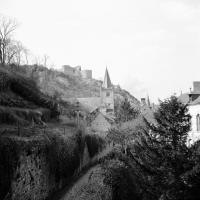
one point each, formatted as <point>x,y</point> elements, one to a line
<point>21,100</point>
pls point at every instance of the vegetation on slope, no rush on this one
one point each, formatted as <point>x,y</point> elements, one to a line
<point>56,82</point>
<point>63,156</point>
<point>22,101</point>
<point>155,158</point>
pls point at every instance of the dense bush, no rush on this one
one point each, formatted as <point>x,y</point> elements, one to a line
<point>10,115</point>
<point>124,111</point>
<point>10,151</point>
<point>63,156</point>
<point>120,178</point>
<point>8,162</point>
<point>94,143</point>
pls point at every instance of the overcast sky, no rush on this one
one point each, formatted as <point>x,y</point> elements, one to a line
<point>150,46</point>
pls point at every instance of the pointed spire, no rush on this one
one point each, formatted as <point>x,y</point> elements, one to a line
<point>107,82</point>
<point>148,101</point>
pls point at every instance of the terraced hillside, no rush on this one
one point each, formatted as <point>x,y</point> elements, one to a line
<point>21,101</point>
<point>58,84</point>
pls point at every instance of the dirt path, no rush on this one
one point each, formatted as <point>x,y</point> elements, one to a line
<point>77,186</point>
<point>76,190</point>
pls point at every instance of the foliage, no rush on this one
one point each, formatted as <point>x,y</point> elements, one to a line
<point>121,137</point>
<point>8,163</point>
<point>11,150</point>
<point>63,155</point>
<point>94,143</point>
<point>173,123</point>
<point>18,91</point>
<point>125,112</point>
<point>120,177</point>
<point>12,115</point>
<point>162,154</point>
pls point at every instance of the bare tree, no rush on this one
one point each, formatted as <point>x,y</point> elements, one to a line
<point>15,53</point>
<point>10,52</point>
<point>19,53</point>
<point>37,60</point>
<point>7,27</point>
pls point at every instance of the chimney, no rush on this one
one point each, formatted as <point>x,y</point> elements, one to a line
<point>143,101</point>
<point>196,87</point>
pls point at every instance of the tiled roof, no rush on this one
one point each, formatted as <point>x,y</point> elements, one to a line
<point>184,98</point>
<point>196,101</point>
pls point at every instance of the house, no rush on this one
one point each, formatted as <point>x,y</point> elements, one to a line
<point>100,125</point>
<point>99,110</point>
<point>192,99</point>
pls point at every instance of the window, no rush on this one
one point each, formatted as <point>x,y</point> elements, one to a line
<point>107,94</point>
<point>198,122</point>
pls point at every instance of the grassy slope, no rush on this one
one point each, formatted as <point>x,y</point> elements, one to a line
<point>21,100</point>
<point>51,82</point>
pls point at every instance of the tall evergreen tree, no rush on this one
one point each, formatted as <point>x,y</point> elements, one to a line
<point>125,111</point>
<point>162,153</point>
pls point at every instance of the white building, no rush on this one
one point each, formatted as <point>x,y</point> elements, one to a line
<point>192,99</point>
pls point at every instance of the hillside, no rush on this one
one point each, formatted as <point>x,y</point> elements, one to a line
<point>59,84</point>
<point>21,101</point>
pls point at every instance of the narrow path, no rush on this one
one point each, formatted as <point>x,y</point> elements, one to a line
<point>75,189</point>
<point>67,192</point>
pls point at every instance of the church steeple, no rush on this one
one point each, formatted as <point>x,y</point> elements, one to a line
<point>107,96</point>
<point>107,82</point>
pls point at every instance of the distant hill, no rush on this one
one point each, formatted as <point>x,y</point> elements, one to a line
<point>21,101</point>
<point>58,84</point>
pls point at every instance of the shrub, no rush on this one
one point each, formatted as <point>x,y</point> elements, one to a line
<point>10,115</point>
<point>119,177</point>
<point>8,163</point>
<point>94,143</point>
<point>63,156</point>
<point>27,90</point>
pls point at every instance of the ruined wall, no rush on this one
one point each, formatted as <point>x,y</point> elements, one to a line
<point>87,74</point>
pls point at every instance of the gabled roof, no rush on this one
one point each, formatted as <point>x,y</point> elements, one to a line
<point>196,101</point>
<point>185,99</point>
<point>107,82</point>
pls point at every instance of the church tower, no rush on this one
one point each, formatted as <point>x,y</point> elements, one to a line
<point>107,96</point>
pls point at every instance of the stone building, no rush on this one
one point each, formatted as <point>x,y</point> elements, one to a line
<point>105,101</point>
<point>72,71</point>
<point>107,96</point>
<point>99,109</point>
<point>86,74</point>
<point>76,71</point>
